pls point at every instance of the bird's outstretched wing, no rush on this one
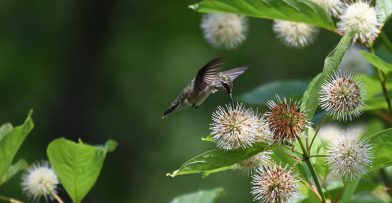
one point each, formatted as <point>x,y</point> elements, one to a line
<point>207,74</point>
<point>234,73</point>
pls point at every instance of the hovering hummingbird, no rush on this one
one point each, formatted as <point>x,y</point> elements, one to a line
<point>208,80</point>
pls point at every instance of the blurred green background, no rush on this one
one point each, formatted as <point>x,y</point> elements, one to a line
<point>109,68</point>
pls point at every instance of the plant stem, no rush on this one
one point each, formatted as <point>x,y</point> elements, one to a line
<point>386,41</point>
<point>8,199</point>
<point>383,80</point>
<point>312,170</point>
<point>317,155</point>
<point>57,198</point>
<point>315,134</point>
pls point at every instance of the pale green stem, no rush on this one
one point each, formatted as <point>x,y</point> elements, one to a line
<point>312,170</point>
<point>8,199</point>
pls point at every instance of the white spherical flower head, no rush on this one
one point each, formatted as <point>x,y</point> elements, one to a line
<point>224,30</point>
<point>40,181</point>
<point>333,7</point>
<point>342,97</point>
<point>234,127</point>
<point>349,156</point>
<point>250,165</point>
<point>294,34</point>
<point>362,19</point>
<point>274,185</point>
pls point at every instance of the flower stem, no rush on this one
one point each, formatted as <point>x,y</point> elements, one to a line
<point>318,155</point>
<point>383,80</point>
<point>312,170</point>
<point>8,199</point>
<point>309,147</point>
<point>57,198</point>
<point>386,41</point>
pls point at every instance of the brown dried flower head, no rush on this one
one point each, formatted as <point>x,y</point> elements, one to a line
<point>285,119</point>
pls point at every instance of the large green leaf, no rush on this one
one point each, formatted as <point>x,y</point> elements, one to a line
<point>77,165</point>
<point>14,169</point>
<point>217,160</point>
<point>268,91</point>
<point>331,64</point>
<point>384,9</point>
<point>202,196</point>
<point>382,148</point>
<point>349,189</point>
<point>292,10</point>
<point>10,141</point>
<point>377,62</point>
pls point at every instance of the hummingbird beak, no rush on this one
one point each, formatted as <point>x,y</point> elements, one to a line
<point>231,98</point>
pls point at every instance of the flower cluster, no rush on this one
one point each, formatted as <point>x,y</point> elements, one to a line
<point>285,119</point>
<point>342,97</point>
<point>274,184</point>
<point>349,156</point>
<point>224,30</point>
<point>40,181</point>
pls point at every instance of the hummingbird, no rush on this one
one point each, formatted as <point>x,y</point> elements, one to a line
<point>209,79</point>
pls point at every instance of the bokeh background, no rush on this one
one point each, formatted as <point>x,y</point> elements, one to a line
<point>100,69</point>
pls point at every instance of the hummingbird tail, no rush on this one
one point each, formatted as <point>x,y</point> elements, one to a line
<point>170,110</point>
<point>234,73</point>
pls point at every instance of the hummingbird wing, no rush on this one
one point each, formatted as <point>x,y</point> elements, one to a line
<point>207,74</point>
<point>234,73</point>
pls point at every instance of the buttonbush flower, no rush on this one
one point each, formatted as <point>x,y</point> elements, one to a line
<point>285,119</point>
<point>234,127</point>
<point>361,18</point>
<point>224,30</point>
<point>349,156</point>
<point>40,181</point>
<point>342,97</point>
<point>274,184</point>
<point>294,34</point>
<point>250,165</point>
<point>333,7</point>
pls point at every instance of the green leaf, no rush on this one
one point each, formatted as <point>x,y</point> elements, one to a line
<point>349,191</point>
<point>202,196</point>
<point>214,160</point>
<point>10,141</point>
<point>331,64</point>
<point>268,91</point>
<point>293,10</point>
<point>382,148</point>
<point>384,9</point>
<point>77,165</point>
<point>14,169</point>
<point>377,62</point>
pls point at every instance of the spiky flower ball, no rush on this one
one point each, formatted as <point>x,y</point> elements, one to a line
<point>224,30</point>
<point>349,156</point>
<point>361,18</point>
<point>294,34</point>
<point>342,97</point>
<point>285,119</point>
<point>250,165</point>
<point>274,185</point>
<point>234,127</point>
<point>333,7</point>
<point>40,181</point>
